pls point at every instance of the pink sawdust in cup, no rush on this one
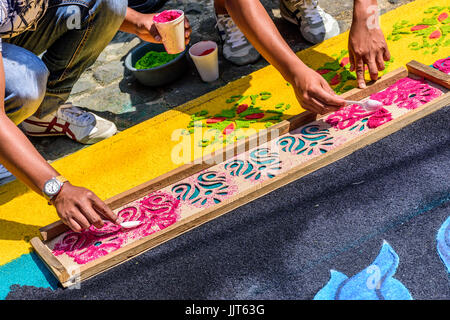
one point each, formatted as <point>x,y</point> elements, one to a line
<point>166,16</point>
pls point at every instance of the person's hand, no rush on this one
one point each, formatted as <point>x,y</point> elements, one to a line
<point>314,93</point>
<point>80,208</point>
<point>147,31</point>
<point>366,46</point>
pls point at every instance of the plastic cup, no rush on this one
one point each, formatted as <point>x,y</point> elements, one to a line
<point>204,55</point>
<point>172,33</point>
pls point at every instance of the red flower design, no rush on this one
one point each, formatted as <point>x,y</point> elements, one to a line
<point>348,116</point>
<point>419,27</point>
<point>241,108</point>
<point>255,116</point>
<point>435,34</point>
<point>215,120</point>
<point>442,16</point>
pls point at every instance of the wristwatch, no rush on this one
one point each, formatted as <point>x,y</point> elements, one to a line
<point>52,187</point>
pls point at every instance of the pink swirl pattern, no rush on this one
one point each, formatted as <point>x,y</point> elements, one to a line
<point>407,93</point>
<point>350,115</point>
<point>156,212</point>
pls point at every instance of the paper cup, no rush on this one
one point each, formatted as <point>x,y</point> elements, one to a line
<point>204,55</point>
<point>172,33</point>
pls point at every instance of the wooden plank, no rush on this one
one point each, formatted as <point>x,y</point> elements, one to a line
<point>429,73</point>
<point>258,190</point>
<point>51,231</point>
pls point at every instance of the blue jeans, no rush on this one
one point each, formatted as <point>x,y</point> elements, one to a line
<point>71,34</point>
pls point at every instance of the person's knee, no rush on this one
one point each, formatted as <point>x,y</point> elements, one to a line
<point>31,96</point>
<point>34,94</point>
<point>26,82</point>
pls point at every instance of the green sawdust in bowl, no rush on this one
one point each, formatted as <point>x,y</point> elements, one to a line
<point>153,59</point>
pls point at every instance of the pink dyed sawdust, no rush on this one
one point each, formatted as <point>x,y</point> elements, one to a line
<point>407,93</point>
<point>443,65</point>
<point>347,116</point>
<point>350,115</point>
<point>166,16</point>
<point>381,116</point>
<point>156,212</point>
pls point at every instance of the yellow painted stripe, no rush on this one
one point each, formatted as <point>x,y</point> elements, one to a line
<point>144,151</point>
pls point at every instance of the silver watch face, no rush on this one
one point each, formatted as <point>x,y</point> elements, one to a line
<point>52,187</point>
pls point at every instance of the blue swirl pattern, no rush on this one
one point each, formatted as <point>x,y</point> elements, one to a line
<point>208,185</point>
<point>262,161</point>
<point>312,138</point>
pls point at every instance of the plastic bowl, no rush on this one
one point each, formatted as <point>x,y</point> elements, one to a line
<point>160,75</point>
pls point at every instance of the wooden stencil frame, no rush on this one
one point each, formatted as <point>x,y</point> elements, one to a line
<point>92,268</point>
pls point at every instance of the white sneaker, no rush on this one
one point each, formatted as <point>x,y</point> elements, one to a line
<point>236,47</point>
<point>315,24</point>
<point>81,126</point>
<point>5,176</point>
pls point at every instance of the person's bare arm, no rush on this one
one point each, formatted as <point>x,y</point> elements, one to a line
<point>312,90</point>
<point>142,25</point>
<point>77,207</point>
<point>366,43</point>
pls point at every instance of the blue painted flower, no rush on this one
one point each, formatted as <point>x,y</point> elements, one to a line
<point>375,282</point>
<point>443,243</point>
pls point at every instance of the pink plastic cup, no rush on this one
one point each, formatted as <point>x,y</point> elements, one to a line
<point>171,31</point>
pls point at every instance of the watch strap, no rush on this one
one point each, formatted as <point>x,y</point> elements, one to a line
<point>61,179</point>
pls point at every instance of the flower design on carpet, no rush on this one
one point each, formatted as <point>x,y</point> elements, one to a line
<point>431,33</point>
<point>155,211</point>
<point>356,119</point>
